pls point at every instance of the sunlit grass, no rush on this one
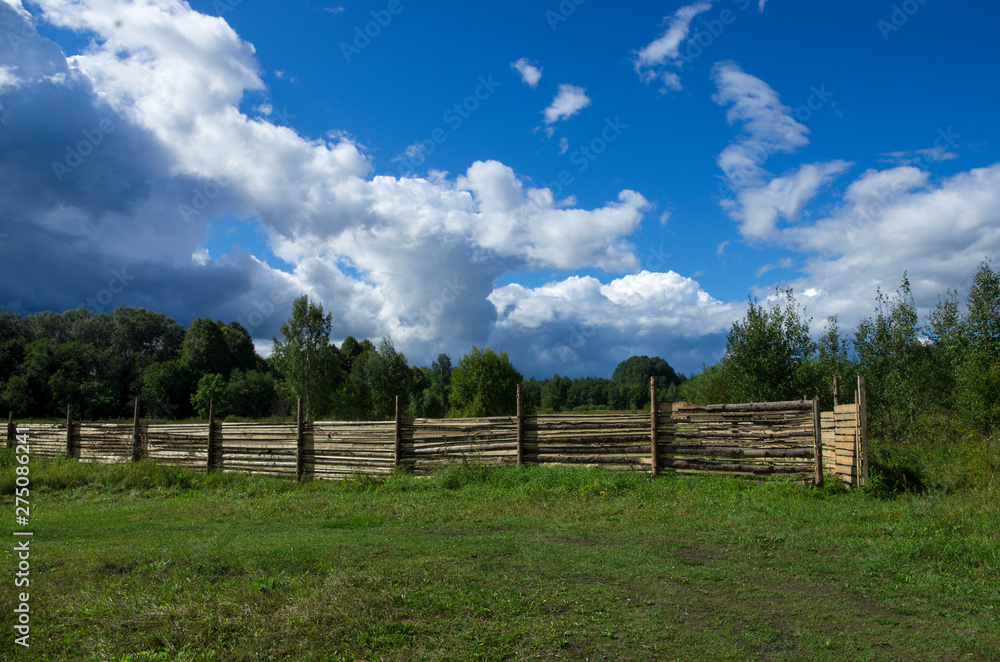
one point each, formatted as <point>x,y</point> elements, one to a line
<point>139,562</point>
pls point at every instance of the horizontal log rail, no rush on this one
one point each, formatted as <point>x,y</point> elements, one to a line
<point>772,438</point>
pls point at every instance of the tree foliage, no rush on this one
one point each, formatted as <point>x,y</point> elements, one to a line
<point>555,393</point>
<point>441,379</point>
<point>629,387</point>
<point>305,356</point>
<point>204,349</point>
<point>484,384</point>
<point>887,347</point>
<point>947,369</point>
<point>378,376</point>
<point>167,389</point>
<point>832,361</point>
<point>708,387</point>
<point>210,387</point>
<point>978,373</point>
<point>92,362</point>
<point>765,352</point>
<point>249,393</point>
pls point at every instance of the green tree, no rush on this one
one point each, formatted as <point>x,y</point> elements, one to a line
<point>306,358</point>
<point>420,380</point>
<point>137,332</point>
<point>982,323</point>
<point>138,337</point>
<point>47,325</point>
<point>210,387</point>
<point>887,348</point>
<point>588,393</point>
<point>73,363</point>
<point>249,393</point>
<point>424,401</point>
<point>13,338</point>
<point>766,352</point>
<point>350,350</point>
<point>85,326</point>
<point>532,395</point>
<point>38,366</point>
<point>484,384</point>
<point>205,349</point>
<point>17,397</point>
<point>979,372</point>
<point>431,406</point>
<point>832,360</point>
<point>708,387</point>
<point>11,357</point>
<point>116,349</point>
<point>630,382</point>
<point>348,403</point>
<point>940,357</point>
<point>13,327</point>
<point>239,345</point>
<point>555,392</point>
<point>379,375</point>
<point>441,379</point>
<point>167,388</point>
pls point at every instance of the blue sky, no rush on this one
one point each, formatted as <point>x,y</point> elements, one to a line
<point>572,182</point>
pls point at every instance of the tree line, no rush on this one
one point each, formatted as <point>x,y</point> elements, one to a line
<point>100,362</point>
<point>923,379</point>
<point>627,389</point>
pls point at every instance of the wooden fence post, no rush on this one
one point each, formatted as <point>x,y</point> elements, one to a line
<point>520,424</point>
<point>862,401</point>
<point>818,443</point>
<point>211,434</point>
<point>136,436</point>
<point>397,457</point>
<point>69,430</point>
<point>836,391</point>
<point>654,432</point>
<point>300,427</point>
<point>11,430</point>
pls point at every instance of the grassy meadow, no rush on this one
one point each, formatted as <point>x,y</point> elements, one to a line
<point>142,562</point>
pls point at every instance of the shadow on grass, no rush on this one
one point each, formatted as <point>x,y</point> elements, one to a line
<point>895,470</point>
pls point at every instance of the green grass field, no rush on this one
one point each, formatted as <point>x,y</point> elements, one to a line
<point>147,563</point>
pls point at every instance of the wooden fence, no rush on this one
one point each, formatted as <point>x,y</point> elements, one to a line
<point>771,438</point>
<point>778,439</point>
<point>845,439</point>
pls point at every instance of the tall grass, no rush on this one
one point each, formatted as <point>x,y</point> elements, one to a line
<point>944,457</point>
<point>522,481</point>
<point>970,463</point>
<point>56,474</point>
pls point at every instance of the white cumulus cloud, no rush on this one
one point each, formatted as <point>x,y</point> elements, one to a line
<point>894,221</point>
<point>768,125</point>
<point>570,324</point>
<point>758,208</point>
<point>415,258</point>
<point>651,60</point>
<point>569,101</point>
<point>759,199</point>
<point>530,73</point>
